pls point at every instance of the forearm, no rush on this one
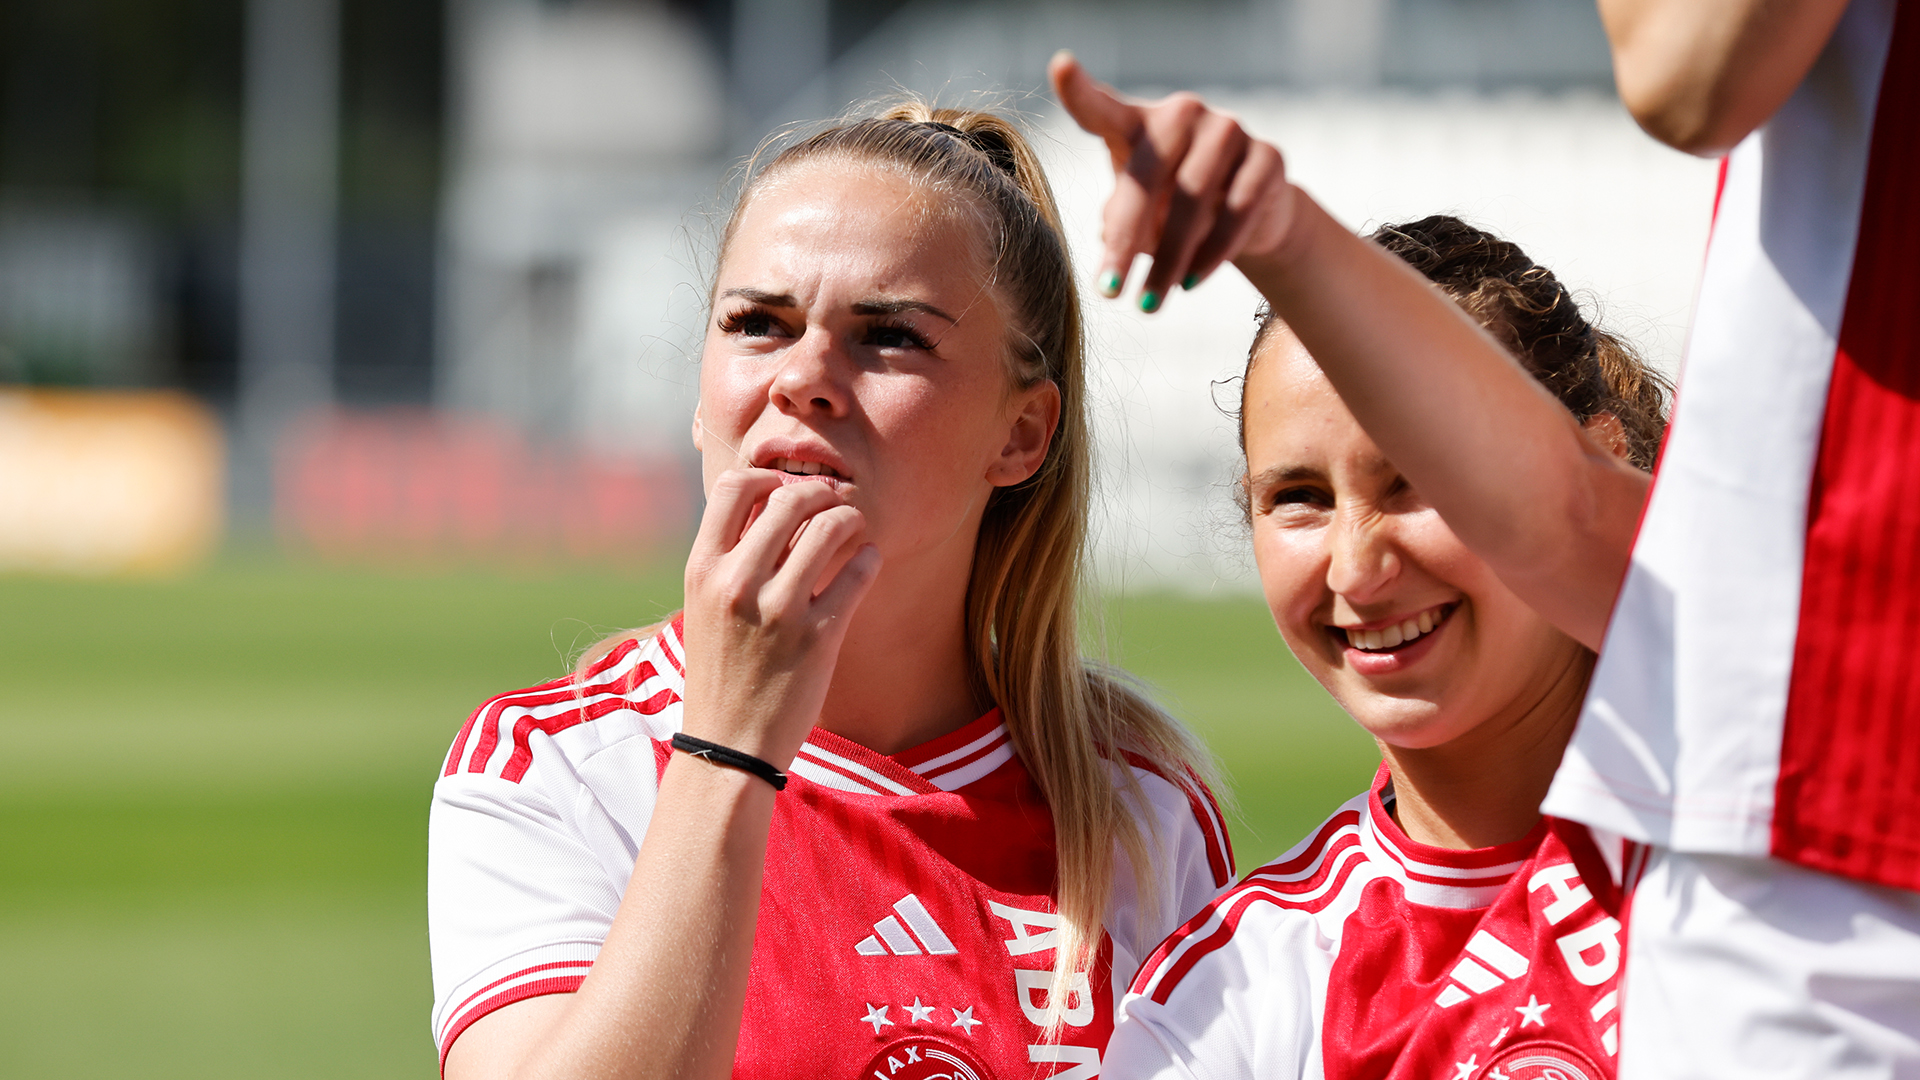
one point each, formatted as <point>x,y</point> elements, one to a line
<point>665,995</point>
<point>1449,407</point>
<point>1699,75</point>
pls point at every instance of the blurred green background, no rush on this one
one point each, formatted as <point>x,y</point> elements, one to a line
<point>213,792</point>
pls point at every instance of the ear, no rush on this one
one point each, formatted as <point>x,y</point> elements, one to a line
<point>699,431</point>
<point>1606,430</point>
<point>1036,414</point>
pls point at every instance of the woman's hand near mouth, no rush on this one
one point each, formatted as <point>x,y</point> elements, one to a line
<point>773,579</point>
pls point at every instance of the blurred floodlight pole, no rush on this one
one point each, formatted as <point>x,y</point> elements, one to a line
<point>779,48</point>
<point>288,197</point>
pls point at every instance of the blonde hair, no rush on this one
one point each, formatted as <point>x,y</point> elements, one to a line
<point>1073,722</point>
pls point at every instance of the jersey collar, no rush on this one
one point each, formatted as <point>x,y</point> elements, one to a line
<point>1444,877</point>
<point>948,763</point>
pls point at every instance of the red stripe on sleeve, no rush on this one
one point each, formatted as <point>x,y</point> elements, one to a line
<point>562,984</point>
<point>1206,811</point>
<point>521,759</point>
<point>1234,905</point>
<point>554,693</point>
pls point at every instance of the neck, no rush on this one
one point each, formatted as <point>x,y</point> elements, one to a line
<point>1485,787</point>
<point>902,676</point>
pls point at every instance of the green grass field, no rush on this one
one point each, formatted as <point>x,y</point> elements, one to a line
<point>213,793</point>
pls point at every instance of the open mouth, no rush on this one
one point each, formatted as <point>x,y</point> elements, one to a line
<point>1397,636</point>
<point>795,467</point>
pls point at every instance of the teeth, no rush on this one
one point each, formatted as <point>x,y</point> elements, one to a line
<point>804,468</point>
<point>1400,634</point>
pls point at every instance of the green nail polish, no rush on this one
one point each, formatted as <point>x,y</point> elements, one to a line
<point>1190,281</point>
<point>1110,284</point>
<point>1149,301</point>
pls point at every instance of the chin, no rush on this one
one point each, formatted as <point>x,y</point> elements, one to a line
<point>1405,724</point>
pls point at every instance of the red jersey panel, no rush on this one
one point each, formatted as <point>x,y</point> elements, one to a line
<point>1850,755</point>
<point>907,922</point>
<point>1362,954</point>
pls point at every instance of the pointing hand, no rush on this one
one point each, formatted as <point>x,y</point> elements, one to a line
<point>1191,188</point>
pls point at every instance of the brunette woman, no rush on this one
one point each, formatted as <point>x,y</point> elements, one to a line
<point>1436,925</point>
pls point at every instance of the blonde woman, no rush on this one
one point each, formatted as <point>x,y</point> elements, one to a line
<point>907,830</point>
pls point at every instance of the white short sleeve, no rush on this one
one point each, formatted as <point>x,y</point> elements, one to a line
<point>533,832</point>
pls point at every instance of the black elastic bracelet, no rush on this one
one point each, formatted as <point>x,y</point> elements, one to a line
<point>733,759</point>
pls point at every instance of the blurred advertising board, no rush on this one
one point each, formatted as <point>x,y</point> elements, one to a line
<point>108,482</point>
<point>417,486</point>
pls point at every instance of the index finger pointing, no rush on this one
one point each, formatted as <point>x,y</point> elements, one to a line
<point>1095,106</point>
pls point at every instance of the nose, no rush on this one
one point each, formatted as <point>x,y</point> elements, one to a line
<point>812,378</point>
<point>1363,553</point>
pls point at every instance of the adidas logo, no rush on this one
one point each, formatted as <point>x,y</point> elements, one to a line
<point>890,937</point>
<point>1475,977</point>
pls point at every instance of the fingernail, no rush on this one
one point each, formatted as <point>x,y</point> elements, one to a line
<point>1149,301</point>
<point>1190,281</point>
<point>1110,284</point>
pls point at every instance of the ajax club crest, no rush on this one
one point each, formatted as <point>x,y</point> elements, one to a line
<point>1541,1060</point>
<point>924,1059</point>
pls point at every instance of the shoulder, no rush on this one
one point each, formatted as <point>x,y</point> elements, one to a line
<point>1240,989</point>
<point>633,692</point>
<point>1269,919</point>
<point>1186,811</point>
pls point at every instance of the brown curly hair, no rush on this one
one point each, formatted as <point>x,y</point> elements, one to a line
<point>1592,372</point>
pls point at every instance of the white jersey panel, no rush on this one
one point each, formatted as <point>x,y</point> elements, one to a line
<point>1679,741</point>
<point>1744,967</point>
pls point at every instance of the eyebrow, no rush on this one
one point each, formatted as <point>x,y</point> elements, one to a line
<point>896,307</point>
<point>761,296</point>
<point>877,306</point>
<point>1284,475</point>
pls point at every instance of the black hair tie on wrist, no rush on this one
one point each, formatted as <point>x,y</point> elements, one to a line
<point>731,758</point>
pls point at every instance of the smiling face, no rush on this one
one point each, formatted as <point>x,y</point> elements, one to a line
<point>1411,632</point>
<point>854,342</point>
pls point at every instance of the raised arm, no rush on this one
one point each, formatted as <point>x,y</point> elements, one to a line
<point>1700,74</point>
<point>1509,469</point>
<point>665,995</point>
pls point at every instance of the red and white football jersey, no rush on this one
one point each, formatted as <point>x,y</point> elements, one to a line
<point>1758,692</point>
<point>1362,954</point>
<point>906,923</point>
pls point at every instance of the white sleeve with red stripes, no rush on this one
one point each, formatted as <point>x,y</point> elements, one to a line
<point>1240,990</point>
<point>1251,1007</point>
<point>1195,862</point>
<point>533,834</point>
